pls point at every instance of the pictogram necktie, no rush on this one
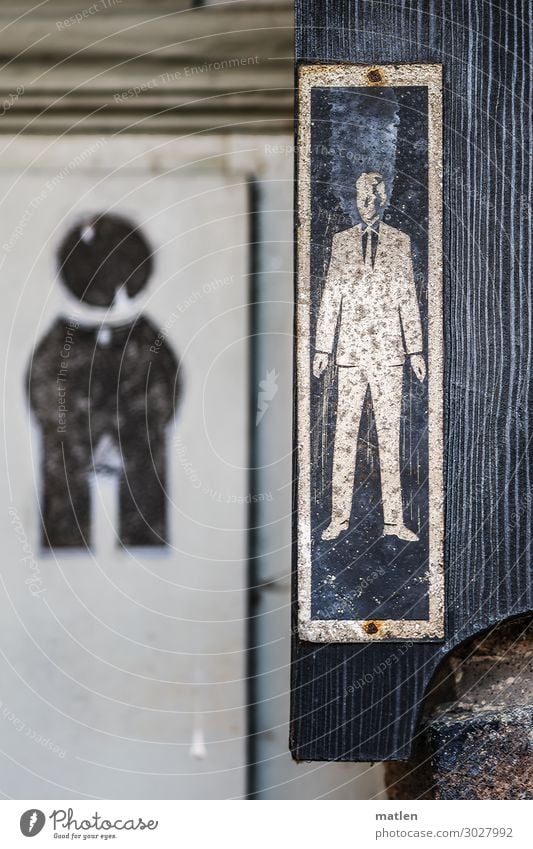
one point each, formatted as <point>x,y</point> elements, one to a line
<point>374,233</point>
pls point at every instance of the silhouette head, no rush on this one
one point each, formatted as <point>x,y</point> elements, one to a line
<point>102,256</point>
<point>371,196</point>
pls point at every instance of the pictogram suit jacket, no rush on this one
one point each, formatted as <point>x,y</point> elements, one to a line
<point>375,308</point>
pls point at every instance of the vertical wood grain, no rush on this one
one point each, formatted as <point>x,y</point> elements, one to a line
<point>361,702</point>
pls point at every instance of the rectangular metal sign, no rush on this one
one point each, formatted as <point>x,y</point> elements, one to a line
<point>369,353</point>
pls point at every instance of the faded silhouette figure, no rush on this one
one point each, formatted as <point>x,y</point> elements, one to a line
<point>103,385</point>
<point>370,294</point>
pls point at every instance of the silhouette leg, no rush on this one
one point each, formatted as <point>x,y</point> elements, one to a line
<point>352,384</point>
<point>65,505</point>
<point>386,388</point>
<point>142,499</point>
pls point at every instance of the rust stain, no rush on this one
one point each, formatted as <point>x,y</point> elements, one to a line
<point>375,76</point>
<point>372,627</point>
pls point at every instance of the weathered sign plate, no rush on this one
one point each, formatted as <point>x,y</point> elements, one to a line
<point>369,354</point>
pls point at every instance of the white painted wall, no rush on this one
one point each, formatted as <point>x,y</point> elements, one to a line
<point>131,664</point>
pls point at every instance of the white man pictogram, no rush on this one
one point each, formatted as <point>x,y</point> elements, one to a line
<point>370,295</point>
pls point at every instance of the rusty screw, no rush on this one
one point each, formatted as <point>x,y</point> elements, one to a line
<point>374,75</point>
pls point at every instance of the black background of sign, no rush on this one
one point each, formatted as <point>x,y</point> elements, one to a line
<point>488,330</point>
<point>374,577</point>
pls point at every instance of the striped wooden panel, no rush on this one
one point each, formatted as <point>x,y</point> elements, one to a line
<point>362,702</point>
